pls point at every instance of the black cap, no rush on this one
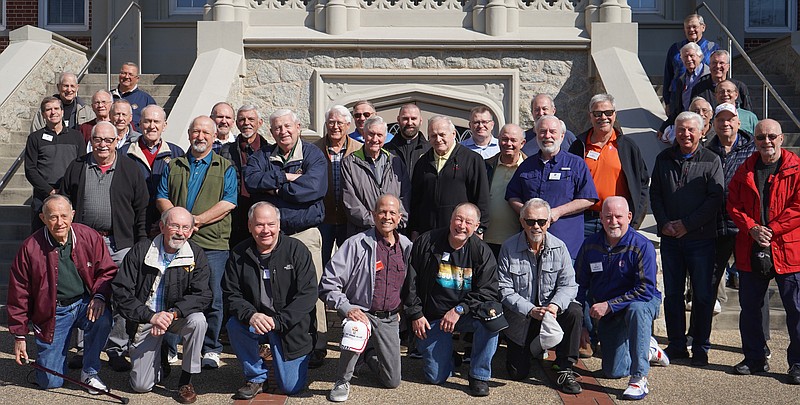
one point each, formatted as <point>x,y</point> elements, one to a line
<point>491,314</point>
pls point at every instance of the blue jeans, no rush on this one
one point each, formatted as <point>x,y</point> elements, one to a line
<point>291,374</point>
<point>54,355</point>
<point>625,338</point>
<point>216,262</point>
<point>437,350</point>
<point>751,299</point>
<point>695,257</point>
<point>330,234</point>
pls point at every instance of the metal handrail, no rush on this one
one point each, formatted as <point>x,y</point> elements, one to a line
<point>11,171</point>
<point>107,44</point>
<point>767,86</point>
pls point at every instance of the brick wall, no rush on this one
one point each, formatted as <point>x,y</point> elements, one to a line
<point>750,43</point>
<point>26,12</point>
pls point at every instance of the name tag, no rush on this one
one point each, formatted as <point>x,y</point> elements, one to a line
<point>445,256</point>
<point>265,275</point>
<point>593,154</point>
<point>47,137</point>
<point>554,176</point>
<point>596,267</point>
<point>378,265</point>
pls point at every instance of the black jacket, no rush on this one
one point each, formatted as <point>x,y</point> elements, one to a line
<point>294,291</point>
<point>186,282</point>
<point>705,88</point>
<point>129,198</point>
<point>436,194</point>
<point>634,168</point>
<point>423,267</point>
<point>408,152</point>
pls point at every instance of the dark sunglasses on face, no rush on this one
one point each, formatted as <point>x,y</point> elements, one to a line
<point>365,115</point>
<point>607,113</point>
<point>764,137</point>
<point>531,221</point>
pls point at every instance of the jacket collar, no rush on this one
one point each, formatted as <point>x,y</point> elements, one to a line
<point>521,244</point>
<point>184,256</point>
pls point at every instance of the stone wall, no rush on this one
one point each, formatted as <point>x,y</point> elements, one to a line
<point>776,58</point>
<point>280,78</point>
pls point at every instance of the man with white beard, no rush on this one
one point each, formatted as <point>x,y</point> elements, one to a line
<point>204,183</point>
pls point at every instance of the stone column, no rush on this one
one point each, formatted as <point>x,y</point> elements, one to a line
<point>478,16</point>
<point>241,12</point>
<point>496,18</point>
<point>513,15</point>
<point>591,15</point>
<point>319,15</point>
<point>224,11</point>
<point>625,11</point>
<point>610,11</point>
<point>353,15</point>
<point>336,17</point>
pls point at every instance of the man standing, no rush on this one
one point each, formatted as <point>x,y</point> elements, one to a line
<point>162,286</point>
<point>617,275</point>
<point>685,195</point>
<point>292,175</point>
<point>411,144</point>
<point>500,168</point>
<point>75,111</point>
<point>482,141</point>
<point>362,110</point>
<point>693,29</point>
<point>683,85</point>
<point>719,64</point>
<point>48,152</point>
<point>558,177</point>
<point>101,105</point>
<point>128,89</point>
<point>205,184</point>
<point>270,288</point>
<point>763,202</point>
<point>445,176</point>
<point>536,277</point>
<point>369,173</point>
<point>543,104</point>
<point>222,114</point>
<point>61,279</point>
<point>238,152</point>
<point>615,162</point>
<point>452,274</point>
<point>362,282</point>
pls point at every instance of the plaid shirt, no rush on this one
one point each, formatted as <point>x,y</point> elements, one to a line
<point>336,166</point>
<point>390,273</point>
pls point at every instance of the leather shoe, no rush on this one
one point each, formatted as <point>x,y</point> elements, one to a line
<point>249,390</point>
<point>699,359</point>
<point>186,394</point>
<point>745,368</point>
<point>794,375</point>
<point>478,388</point>
<point>674,353</point>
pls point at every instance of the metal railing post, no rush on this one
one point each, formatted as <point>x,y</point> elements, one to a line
<point>766,102</point>
<point>139,38</point>
<point>108,63</point>
<point>730,53</point>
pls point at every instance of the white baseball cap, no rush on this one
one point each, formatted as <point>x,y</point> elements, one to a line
<point>355,335</point>
<point>550,335</point>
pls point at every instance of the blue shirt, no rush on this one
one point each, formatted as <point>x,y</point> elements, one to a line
<point>196,177</point>
<point>562,179</point>
<point>487,151</point>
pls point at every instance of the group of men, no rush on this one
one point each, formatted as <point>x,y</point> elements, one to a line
<point>239,232</point>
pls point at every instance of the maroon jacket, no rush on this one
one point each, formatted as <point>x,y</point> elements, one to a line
<point>32,285</point>
<point>744,207</point>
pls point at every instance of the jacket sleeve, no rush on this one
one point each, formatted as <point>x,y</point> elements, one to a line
<point>19,292</point>
<point>312,185</point>
<point>484,281</point>
<point>124,286</point>
<point>401,171</point>
<point>69,186</point>
<point>788,219</point>
<point>738,194</point>
<point>40,186</point>
<point>357,213</point>
<point>260,176</point>
<point>509,296</point>
<point>141,200</point>
<point>233,299</point>
<point>413,303</point>
<point>415,201</point>
<point>645,280</point>
<point>713,201</point>
<point>104,268</point>
<point>566,288</point>
<point>302,304</point>
<point>480,191</point>
<point>335,276</point>
<point>198,295</point>
<point>644,191</point>
<point>669,73</point>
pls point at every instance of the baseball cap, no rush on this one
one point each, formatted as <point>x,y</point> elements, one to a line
<point>725,107</point>
<point>491,314</point>
<point>550,335</point>
<point>355,335</point>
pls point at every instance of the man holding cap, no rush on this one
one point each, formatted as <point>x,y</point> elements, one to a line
<point>451,274</point>
<point>616,272</point>
<point>362,282</point>
<point>537,278</point>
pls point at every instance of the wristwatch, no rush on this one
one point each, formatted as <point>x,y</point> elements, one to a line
<point>459,309</point>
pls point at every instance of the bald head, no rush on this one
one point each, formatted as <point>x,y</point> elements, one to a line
<point>616,217</point>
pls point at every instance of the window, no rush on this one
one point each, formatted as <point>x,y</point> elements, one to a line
<point>770,15</point>
<point>187,6</point>
<point>2,15</point>
<point>645,6</point>
<point>64,15</point>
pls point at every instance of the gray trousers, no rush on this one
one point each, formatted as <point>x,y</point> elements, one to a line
<point>145,350</point>
<point>384,360</point>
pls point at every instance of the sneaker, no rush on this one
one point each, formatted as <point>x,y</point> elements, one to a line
<point>567,382</point>
<point>637,389</point>
<point>585,351</point>
<point>340,391</point>
<point>717,308</point>
<point>657,355</point>
<point>210,360</point>
<point>414,354</point>
<point>94,381</point>
<point>248,391</point>
<point>119,364</point>
<point>794,375</point>
<point>478,388</point>
<point>173,358</point>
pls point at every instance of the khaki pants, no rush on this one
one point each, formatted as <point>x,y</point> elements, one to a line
<point>313,240</point>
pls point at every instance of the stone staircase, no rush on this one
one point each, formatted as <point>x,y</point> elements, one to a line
<point>787,93</point>
<point>164,88</point>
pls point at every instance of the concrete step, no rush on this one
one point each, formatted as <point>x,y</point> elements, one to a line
<point>16,196</point>
<point>11,150</point>
<point>729,318</point>
<point>8,249</point>
<point>18,180</point>
<point>144,79</point>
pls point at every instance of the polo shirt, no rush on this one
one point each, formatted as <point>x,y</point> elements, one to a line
<point>196,177</point>
<point>491,149</point>
<point>562,179</point>
<point>606,169</point>
<point>505,222</point>
<point>441,160</point>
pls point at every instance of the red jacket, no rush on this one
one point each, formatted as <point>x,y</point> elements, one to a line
<point>744,207</point>
<point>32,285</point>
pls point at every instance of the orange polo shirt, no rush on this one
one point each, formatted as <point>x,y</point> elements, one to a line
<point>606,170</point>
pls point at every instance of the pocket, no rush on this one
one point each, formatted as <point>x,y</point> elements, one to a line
<point>790,247</point>
<point>520,277</point>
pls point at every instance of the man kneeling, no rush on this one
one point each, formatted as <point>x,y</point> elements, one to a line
<point>616,271</point>
<point>162,286</point>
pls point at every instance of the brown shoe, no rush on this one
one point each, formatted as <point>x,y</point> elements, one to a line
<point>585,351</point>
<point>186,394</point>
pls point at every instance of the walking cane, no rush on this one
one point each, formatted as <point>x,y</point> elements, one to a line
<point>76,382</point>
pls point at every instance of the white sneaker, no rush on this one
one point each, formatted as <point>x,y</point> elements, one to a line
<point>210,360</point>
<point>717,308</point>
<point>657,355</point>
<point>173,358</point>
<point>637,389</point>
<point>94,381</point>
<point>340,391</point>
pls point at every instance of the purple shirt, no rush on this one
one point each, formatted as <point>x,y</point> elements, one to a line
<point>390,273</point>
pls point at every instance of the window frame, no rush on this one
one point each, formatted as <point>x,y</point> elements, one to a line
<point>175,10</point>
<point>2,15</point>
<point>658,9</point>
<point>792,21</point>
<point>43,7</point>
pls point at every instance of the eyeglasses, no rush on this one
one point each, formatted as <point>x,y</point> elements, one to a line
<point>607,113</point>
<point>176,227</point>
<point>101,102</point>
<point>764,137</point>
<point>532,221</point>
<point>101,140</point>
<point>359,115</point>
<point>337,123</point>
<point>481,123</point>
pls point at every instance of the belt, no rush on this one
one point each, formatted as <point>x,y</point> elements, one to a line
<point>589,214</point>
<point>384,314</point>
<point>69,301</point>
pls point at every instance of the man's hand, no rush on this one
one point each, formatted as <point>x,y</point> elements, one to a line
<point>420,327</point>
<point>292,176</point>
<point>679,228</point>
<point>761,235</point>
<point>262,323</point>
<point>599,310</point>
<point>358,315</point>
<point>96,308</point>
<point>552,308</point>
<point>537,313</point>
<point>555,214</point>
<point>161,322</point>
<point>20,351</point>
<point>449,320</point>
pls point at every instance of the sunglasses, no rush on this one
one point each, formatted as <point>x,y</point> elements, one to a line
<point>531,221</point>
<point>607,113</point>
<point>771,137</point>
<point>365,115</point>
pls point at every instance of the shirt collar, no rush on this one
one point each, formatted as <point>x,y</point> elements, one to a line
<point>206,160</point>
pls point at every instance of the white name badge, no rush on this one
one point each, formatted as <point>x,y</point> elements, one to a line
<point>445,256</point>
<point>596,267</point>
<point>265,275</point>
<point>554,176</point>
<point>593,154</point>
<point>47,137</point>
